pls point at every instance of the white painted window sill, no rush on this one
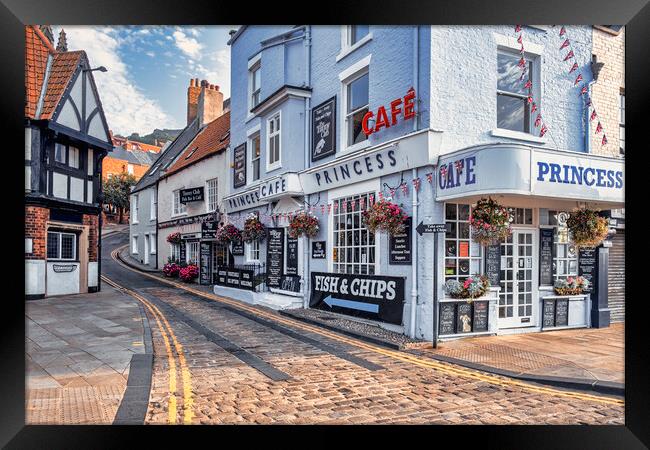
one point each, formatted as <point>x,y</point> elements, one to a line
<point>347,50</point>
<point>178,215</point>
<point>501,132</point>
<point>273,168</point>
<point>354,148</point>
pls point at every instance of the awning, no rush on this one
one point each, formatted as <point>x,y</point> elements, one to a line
<point>530,171</point>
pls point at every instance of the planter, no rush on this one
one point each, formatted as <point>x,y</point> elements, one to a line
<point>384,216</point>
<point>303,224</point>
<point>228,233</point>
<point>490,222</point>
<point>253,230</point>
<point>587,228</point>
<point>474,287</point>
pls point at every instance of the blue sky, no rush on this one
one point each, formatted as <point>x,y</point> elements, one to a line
<point>149,68</point>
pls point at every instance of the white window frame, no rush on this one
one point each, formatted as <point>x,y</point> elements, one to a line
<point>134,244</point>
<point>189,245</point>
<point>277,164</point>
<point>208,207</point>
<point>153,207</point>
<point>346,77</point>
<point>152,243</point>
<point>254,64</point>
<point>251,248</point>
<point>176,201</point>
<point>59,237</point>
<point>457,240</point>
<point>135,209</point>
<point>346,46</point>
<point>77,161</point>
<point>251,137</point>
<point>175,252</point>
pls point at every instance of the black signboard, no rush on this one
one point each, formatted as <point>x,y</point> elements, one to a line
<point>370,296</point>
<point>205,263</point>
<point>238,248</point>
<point>292,256</point>
<point>399,245</point>
<point>493,264</point>
<point>447,322</point>
<point>318,249</point>
<point>290,283</point>
<point>182,251</point>
<point>236,278</point>
<point>239,166</point>
<point>323,140</point>
<point>562,312</point>
<point>548,313</point>
<point>274,257</point>
<point>480,316</point>
<point>464,318</point>
<point>209,230</point>
<point>191,195</point>
<point>587,266</point>
<point>546,257</point>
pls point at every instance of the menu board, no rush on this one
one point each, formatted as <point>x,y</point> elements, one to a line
<point>290,283</point>
<point>464,318</point>
<point>548,314</point>
<point>480,316</point>
<point>236,278</point>
<point>587,266</point>
<point>239,166</point>
<point>546,256</point>
<point>209,229</point>
<point>562,312</point>
<point>318,250</point>
<point>274,257</point>
<point>292,256</point>
<point>399,245</point>
<point>323,142</point>
<point>181,254</point>
<point>205,263</point>
<point>447,318</point>
<point>493,264</point>
<point>237,248</point>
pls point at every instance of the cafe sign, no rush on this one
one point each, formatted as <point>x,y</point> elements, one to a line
<point>191,195</point>
<point>400,109</point>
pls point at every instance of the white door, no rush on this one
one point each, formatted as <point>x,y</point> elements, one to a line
<point>146,249</point>
<point>518,297</point>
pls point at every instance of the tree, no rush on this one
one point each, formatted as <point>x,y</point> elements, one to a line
<point>117,190</point>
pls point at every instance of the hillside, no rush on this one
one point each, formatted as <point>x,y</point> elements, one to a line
<point>162,136</point>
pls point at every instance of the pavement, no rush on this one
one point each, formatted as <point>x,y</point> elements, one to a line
<point>78,354</point>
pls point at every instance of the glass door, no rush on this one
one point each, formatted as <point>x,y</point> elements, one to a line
<point>517,299</point>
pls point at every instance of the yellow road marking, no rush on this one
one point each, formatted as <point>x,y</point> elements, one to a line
<point>405,357</point>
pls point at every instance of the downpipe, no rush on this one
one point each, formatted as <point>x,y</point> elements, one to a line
<point>306,240</point>
<point>414,205</point>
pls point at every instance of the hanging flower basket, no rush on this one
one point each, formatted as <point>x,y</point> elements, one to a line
<point>571,286</point>
<point>189,273</point>
<point>384,216</point>
<point>303,224</point>
<point>587,228</point>
<point>473,287</point>
<point>171,270</point>
<point>228,233</point>
<point>253,230</point>
<point>174,238</point>
<point>490,222</point>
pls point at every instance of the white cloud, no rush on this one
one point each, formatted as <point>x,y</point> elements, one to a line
<point>126,107</point>
<point>151,54</point>
<point>190,46</point>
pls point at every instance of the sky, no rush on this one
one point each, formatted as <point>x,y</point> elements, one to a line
<point>149,69</point>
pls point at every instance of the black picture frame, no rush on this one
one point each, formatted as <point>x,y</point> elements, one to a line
<point>315,138</point>
<point>239,173</point>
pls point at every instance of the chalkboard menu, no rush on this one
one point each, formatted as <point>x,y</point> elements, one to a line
<point>561,312</point>
<point>236,278</point>
<point>480,316</point>
<point>274,257</point>
<point>292,256</point>
<point>290,283</point>
<point>399,245</point>
<point>323,141</point>
<point>546,257</point>
<point>318,250</point>
<point>587,266</point>
<point>548,314</point>
<point>209,229</point>
<point>239,169</point>
<point>181,254</point>
<point>447,318</point>
<point>493,264</point>
<point>464,318</point>
<point>238,248</point>
<point>205,263</point>
<point>191,195</point>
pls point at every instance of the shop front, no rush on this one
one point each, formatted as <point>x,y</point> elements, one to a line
<point>540,188</point>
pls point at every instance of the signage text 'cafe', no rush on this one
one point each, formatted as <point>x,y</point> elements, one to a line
<point>400,106</point>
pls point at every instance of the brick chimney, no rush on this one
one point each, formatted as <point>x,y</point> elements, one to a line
<point>210,103</point>
<point>193,92</point>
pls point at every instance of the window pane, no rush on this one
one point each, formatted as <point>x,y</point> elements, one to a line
<point>355,129</point>
<point>450,211</point>
<point>463,212</point>
<point>358,93</point>
<point>67,246</point>
<point>73,157</point>
<point>52,245</point>
<point>511,113</point>
<point>509,74</point>
<point>59,153</point>
<point>357,32</point>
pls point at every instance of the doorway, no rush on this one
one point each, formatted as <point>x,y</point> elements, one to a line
<point>146,249</point>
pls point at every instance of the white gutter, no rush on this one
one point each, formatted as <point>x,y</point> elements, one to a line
<point>414,204</point>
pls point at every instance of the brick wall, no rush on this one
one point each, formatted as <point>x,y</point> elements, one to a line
<point>609,49</point>
<point>116,166</point>
<point>93,235</point>
<point>35,220</point>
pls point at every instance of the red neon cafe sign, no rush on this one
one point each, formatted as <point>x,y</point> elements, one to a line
<point>403,106</point>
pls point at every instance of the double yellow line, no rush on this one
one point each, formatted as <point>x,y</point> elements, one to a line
<point>167,333</point>
<point>401,356</point>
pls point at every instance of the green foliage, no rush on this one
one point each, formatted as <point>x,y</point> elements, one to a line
<point>117,190</point>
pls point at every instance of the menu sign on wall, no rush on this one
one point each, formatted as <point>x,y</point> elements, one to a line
<point>239,169</point>
<point>274,257</point>
<point>323,141</point>
<point>587,266</point>
<point>237,248</point>
<point>235,278</point>
<point>546,257</point>
<point>318,250</point>
<point>292,256</point>
<point>205,263</point>
<point>209,230</point>
<point>399,245</point>
<point>191,195</point>
<point>493,264</point>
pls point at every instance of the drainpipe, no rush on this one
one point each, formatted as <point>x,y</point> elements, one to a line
<point>414,205</point>
<point>588,126</point>
<point>100,197</point>
<point>305,250</point>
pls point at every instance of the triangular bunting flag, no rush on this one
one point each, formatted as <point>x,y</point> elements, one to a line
<point>565,44</point>
<point>569,55</point>
<point>574,67</point>
<point>604,141</point>
<point>562,31</point>
<point>593,115</point>
<point>599,128</point>
<point>578,79</point>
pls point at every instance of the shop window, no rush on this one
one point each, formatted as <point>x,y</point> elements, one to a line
<point>211,197</point>
<point>521,216</point>
<point>356,100</point>
<point>192,252</point>
<point>61,246</point>
<point>462,254</point>
<point>353,244</point>
<point>175,252</point>
<point>274,142</point>
<point>565,259</point>
<point>178,207</point>
<point>253,251</point>
<point>513,109</point>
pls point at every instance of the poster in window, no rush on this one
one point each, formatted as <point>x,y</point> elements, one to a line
<point>450,248</point>
<point>239,166</point>
<point>463,249</point>
<point>463,266</point>
<point>323,141</point>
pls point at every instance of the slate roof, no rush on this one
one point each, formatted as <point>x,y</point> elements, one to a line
<point>125,155</point>
<point>212,139</point>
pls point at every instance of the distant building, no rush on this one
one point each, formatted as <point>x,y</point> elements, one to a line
<point>128,144</point>
<point>133,162</point>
